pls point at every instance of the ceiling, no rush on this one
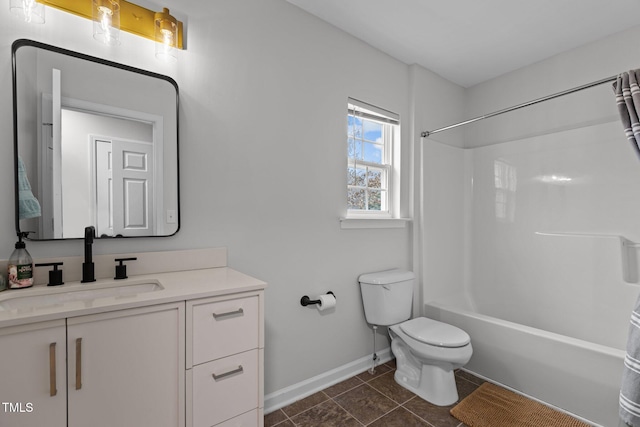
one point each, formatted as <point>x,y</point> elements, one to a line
<point>471,41</point>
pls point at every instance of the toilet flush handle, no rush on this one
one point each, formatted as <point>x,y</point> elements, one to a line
<point>387,287</point>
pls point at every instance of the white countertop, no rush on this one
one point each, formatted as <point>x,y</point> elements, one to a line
<point>176,286</point>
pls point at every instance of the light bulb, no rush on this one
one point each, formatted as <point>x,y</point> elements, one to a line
<point>106,21</point>
<point>166,36</point>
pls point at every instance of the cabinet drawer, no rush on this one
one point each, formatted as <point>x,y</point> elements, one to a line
<point>250,419</point>
<point>225,388</point>
<point>223,328</point>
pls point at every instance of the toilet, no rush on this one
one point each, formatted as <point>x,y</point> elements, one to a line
<point>427,351</point>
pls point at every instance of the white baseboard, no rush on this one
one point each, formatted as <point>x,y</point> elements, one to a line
<point>288,395</point>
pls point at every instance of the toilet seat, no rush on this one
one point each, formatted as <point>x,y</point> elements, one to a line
<point>432,332</point>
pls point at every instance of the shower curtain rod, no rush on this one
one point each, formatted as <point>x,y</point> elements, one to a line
<point>427,133</point>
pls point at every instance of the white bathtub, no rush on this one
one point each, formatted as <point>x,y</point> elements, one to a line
<point>577,376</point>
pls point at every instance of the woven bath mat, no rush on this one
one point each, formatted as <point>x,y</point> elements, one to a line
<point>493,406</point>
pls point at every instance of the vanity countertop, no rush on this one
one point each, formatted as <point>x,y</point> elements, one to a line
<point>175,286</point>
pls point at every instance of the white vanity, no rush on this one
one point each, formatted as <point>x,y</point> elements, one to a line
<point>163,348</point>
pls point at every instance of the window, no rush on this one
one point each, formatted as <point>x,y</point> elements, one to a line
<point>371,133</point>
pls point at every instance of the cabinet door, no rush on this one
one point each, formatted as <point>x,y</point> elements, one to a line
<point>33,375</point>
<point>126,368</point>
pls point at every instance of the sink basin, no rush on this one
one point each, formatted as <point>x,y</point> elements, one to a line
<point>79,293</point>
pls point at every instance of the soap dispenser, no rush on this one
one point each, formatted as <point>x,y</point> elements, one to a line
<point>20,265</point>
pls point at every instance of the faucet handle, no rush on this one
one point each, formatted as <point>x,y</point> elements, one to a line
<point>121,269</point>
<point>55,275</point>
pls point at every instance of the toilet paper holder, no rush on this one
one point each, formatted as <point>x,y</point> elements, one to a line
<point>305,300</point>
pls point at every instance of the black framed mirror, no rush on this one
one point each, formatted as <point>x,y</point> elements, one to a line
<point>95,143</point>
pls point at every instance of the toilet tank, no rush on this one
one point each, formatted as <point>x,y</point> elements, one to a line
<point>387,296</point>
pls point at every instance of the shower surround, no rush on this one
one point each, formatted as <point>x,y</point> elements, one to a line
<point>550,271</point>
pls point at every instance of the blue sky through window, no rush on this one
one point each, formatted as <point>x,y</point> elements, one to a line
<point>365,139</point>
<point>372,131</point>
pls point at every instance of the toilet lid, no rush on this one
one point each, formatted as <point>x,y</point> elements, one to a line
<point>436,333</point>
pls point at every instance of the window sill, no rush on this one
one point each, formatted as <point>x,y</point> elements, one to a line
<point>349,223</point>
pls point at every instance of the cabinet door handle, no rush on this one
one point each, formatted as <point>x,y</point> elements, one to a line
<point>53,390</point>
<point>78,363</point>
<point>239,312</point>
<point>223,375</point>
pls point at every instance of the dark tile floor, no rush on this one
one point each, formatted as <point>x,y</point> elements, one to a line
<point>370,400</point>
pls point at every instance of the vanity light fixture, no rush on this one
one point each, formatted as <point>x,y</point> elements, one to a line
<point>160,27</point>
<point>28,10</point>
<point>106,21</point>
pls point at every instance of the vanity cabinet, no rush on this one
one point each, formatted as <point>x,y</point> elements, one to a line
<point>225,359</point>
<point>123,368</point>
<point>189,353</point>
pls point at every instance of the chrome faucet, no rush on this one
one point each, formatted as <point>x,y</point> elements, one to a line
<point>88,274</point>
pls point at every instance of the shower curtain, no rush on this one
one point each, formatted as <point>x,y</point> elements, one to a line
<point>630,389</point>
<point>628,99</point>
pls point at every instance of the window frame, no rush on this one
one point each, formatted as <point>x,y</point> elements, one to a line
<point>389,167</point>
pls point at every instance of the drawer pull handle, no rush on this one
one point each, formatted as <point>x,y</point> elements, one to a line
<point>78,363</point>
<point>53,390</point>
<point>238,312</point>
<point>223,375</point>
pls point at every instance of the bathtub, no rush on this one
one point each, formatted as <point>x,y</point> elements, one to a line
<point>574,375</point>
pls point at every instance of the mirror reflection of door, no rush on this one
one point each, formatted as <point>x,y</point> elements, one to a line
<point>130,161</point>
<point>110,185</point>
<point>124,182</point>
